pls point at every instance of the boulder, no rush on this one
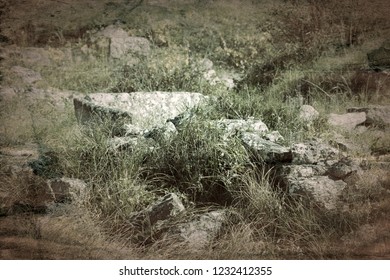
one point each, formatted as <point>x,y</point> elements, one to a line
<point>318,191</point>
<point>346,145</point>
<point>165,208</point>
<point>145,110</point>
<point>203,229</point>
<point>376,115</point>
<point>293,171</point>
<point>308,114</point>
<point>312,152</point>
<point>122,44</point>
<point>273,136</point>
<point>233,127</point>
<point>150,222</point>
<point>163,132</point>
<point>347,121</point>
<point>345,169</point>
<point>265,150</point>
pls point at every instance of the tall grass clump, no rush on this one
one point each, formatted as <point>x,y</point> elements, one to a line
<point>199,162</point>
<point>115,189</point>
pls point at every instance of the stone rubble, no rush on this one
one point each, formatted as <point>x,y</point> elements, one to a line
<point>118,43</point>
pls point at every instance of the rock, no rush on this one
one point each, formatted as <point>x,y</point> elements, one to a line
<point>165,208</point>
<point>145,110</point>
<point>66,189</point>
<point>273,136</point>
<point>319,191</point>
<point>91,110</point>
<point>308,114</point>
<point>376,115</point>
<point>380,58</point>
<point>304,170</point>
<point>227,80</point>
<point>266,150</point>
<point>149,221</point>
<point>233,127</point>
<point>206,64</point>
<point>312,152</point>
<point>347,121</point>
<point>122,44</point>
<point>343,144</point>
<point>209,74</point>
<point>198,233</point>
<point>282,174</point>
<point>163,132</point>
<point>28,76</point>
<point>345,169</point>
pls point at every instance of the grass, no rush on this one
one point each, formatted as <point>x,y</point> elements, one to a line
<point>288,54</point>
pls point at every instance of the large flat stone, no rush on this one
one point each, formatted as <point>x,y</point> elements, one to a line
<point>145,110</point>
<point>347,121</point>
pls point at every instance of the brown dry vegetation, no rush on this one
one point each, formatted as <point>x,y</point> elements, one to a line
<point>283,49</point>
